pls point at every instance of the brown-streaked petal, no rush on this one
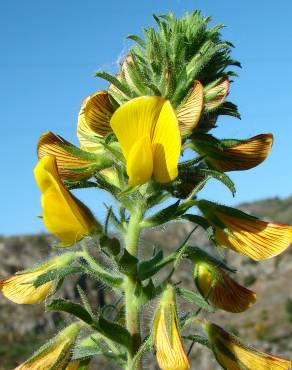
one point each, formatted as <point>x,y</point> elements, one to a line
<point>73,163</point>
<point>93,119</point>
<point>220,289</point>
<point>232,354</point>
<point>242,156</point>
<point>189,113</point>
<point>246,234</point>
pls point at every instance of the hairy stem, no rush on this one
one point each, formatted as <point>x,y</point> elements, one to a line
<point>131,303</point>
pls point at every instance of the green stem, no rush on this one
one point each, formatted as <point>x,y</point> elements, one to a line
<point>131,302</point>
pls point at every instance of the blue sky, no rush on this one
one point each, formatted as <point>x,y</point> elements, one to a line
<point>51,49</point>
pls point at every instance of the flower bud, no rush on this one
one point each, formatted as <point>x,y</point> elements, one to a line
<point>20,287</point>
<point>231,353</point>
<point>55,354</point>
<point>64,215</point>
<point>170,353</point>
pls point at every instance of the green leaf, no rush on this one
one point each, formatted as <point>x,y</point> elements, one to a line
<point>112,245</point>
<point>148,268</point>
<point>195,298</point>
<point>127,263</point>
<point>72,308</point>
<point>201,221</point>
<point>85,301</point>
<point>222,177</point>
<point>85,351</point>
<point>113,80</point>
<point>145,293</point>
<point>145,347</point>
<point>162,216</point>
<point>115,332</point>
<point>198,339</point>
<point>58,273</point>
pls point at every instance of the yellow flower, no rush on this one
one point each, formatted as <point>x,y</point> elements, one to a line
<point>170,353</point>
<point>73,163</point>
<point>234,155</point>
<point>147,130</point>
<point>64,215</point>
<point>232,354</point>
<point>55,354</point>
<point>220,289</point>
<point>20,289</point>
<point>246,234</point>
<point>94,120</point>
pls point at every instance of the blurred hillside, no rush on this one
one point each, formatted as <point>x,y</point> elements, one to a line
<point>267,325</point>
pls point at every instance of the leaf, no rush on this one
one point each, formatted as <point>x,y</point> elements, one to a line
<point>84,299</point>
<point>113,80</point>
<point>201,221</point>
<point>145,293</point>
<point>85,351</point>
<point>148,268</point>
<point>72,308</point>
<point>198,339</point>
<point>222,177</point>
<point>112,245</point>
<point>57,274</point>
<point>162,216</point>
<point>145,347</point>
<point>127,263</point>
<point>115,332</point>
<point>195,298</point>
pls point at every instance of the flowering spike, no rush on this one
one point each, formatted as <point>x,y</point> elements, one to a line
<point>20,287</point>
<point>170,353</point>
<point>147,127</point>
<point>231,353</point>
<point>55,354</point>
<point>220,289</point>
<point>246,234</point>
<point>64,215</point>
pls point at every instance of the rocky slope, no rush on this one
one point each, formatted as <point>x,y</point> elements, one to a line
<point>267,325</point>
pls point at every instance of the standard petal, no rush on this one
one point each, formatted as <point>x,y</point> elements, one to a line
<point>19,288</point>
<point>220,289</point>
<point>242,156</point>
<point>64,215</point>
<point>135,119</point>
<point>140,162</point>
<point>189,113</point>
<point>72,162</point>
<point>232,354</point>
<point>166,145</point>
<point>94,119</point>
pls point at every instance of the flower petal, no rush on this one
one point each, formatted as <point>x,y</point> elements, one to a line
<point>166,145</point>
<point>19,288</point>
<point>242,156</point>
<point>246,234</point>
<point>232,354</point>
<point>72,162</point>
<point>64,215</point>
<point>135,119</point>
<point>140,162</point>
<point>94,119</point>
<point>190,112</point>
<point>220,289</point>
